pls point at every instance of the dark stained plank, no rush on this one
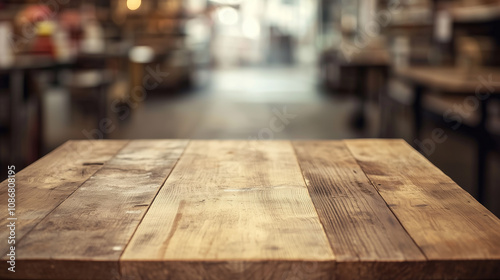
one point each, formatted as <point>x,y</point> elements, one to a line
<point>47,182</point>
<point>459,237</point>
<point>366,238</point>
<point>231,210</point>
<point>84,236</point>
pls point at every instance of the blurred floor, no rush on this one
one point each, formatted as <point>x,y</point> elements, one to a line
<point>237,104</point>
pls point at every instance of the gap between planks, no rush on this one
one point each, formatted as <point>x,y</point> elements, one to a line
<point>458,235</point>
<point>333,179</point>
<point>160,155</point>
<point>387,204</point>
<point>309,193</point>
<point>126,143</point>
<point>252,171</point>
<point>149,206</point>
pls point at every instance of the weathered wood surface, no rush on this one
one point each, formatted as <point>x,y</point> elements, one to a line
<point>230,200</point>
<point>173,209</point>
<point>45,184</point>
<point>96,222</point>
<point>445,221</point>
<point>359,225</point>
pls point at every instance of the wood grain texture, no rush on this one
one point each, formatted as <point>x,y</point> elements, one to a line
<point>45,184</point>
<point>366,238</point>
<point>92,227</point>
<point>459,237</point>
<point>166,209</point>
<point>226,202</point>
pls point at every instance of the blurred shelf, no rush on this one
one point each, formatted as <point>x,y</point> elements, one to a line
<point>411,25</point>
<point>484,13</point>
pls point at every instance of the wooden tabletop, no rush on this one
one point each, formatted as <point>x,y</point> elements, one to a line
<point>453,79</point>
<point>178,209</point>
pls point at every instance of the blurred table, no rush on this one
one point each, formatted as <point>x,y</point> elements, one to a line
<point>363,62</point>
<point>17,71</point>
<point>93,85</point>
<point>179,209</point>
<point>453,80</point>
<point>483,84</point>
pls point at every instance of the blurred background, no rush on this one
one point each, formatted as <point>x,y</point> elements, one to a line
<point>256,69</point>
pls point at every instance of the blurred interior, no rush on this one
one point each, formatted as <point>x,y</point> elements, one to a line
<point>248,69</point>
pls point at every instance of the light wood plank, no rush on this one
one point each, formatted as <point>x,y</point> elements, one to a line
<point>365,236</point>
<point>227,202</point>
<point>457,234</point>
<point>47,182</point>
<point>84,236</point>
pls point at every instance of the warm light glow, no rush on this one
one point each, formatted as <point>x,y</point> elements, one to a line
<point>133,4</point>
<point>141,54</point>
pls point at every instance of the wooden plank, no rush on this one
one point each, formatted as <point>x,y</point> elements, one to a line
<point>84,236</point>
<point>459,237</point>
<point>43,185</point>
<point>230,210</point>
<point>366,238</point>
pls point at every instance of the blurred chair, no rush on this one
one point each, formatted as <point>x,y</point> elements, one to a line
<point>88,83</point>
